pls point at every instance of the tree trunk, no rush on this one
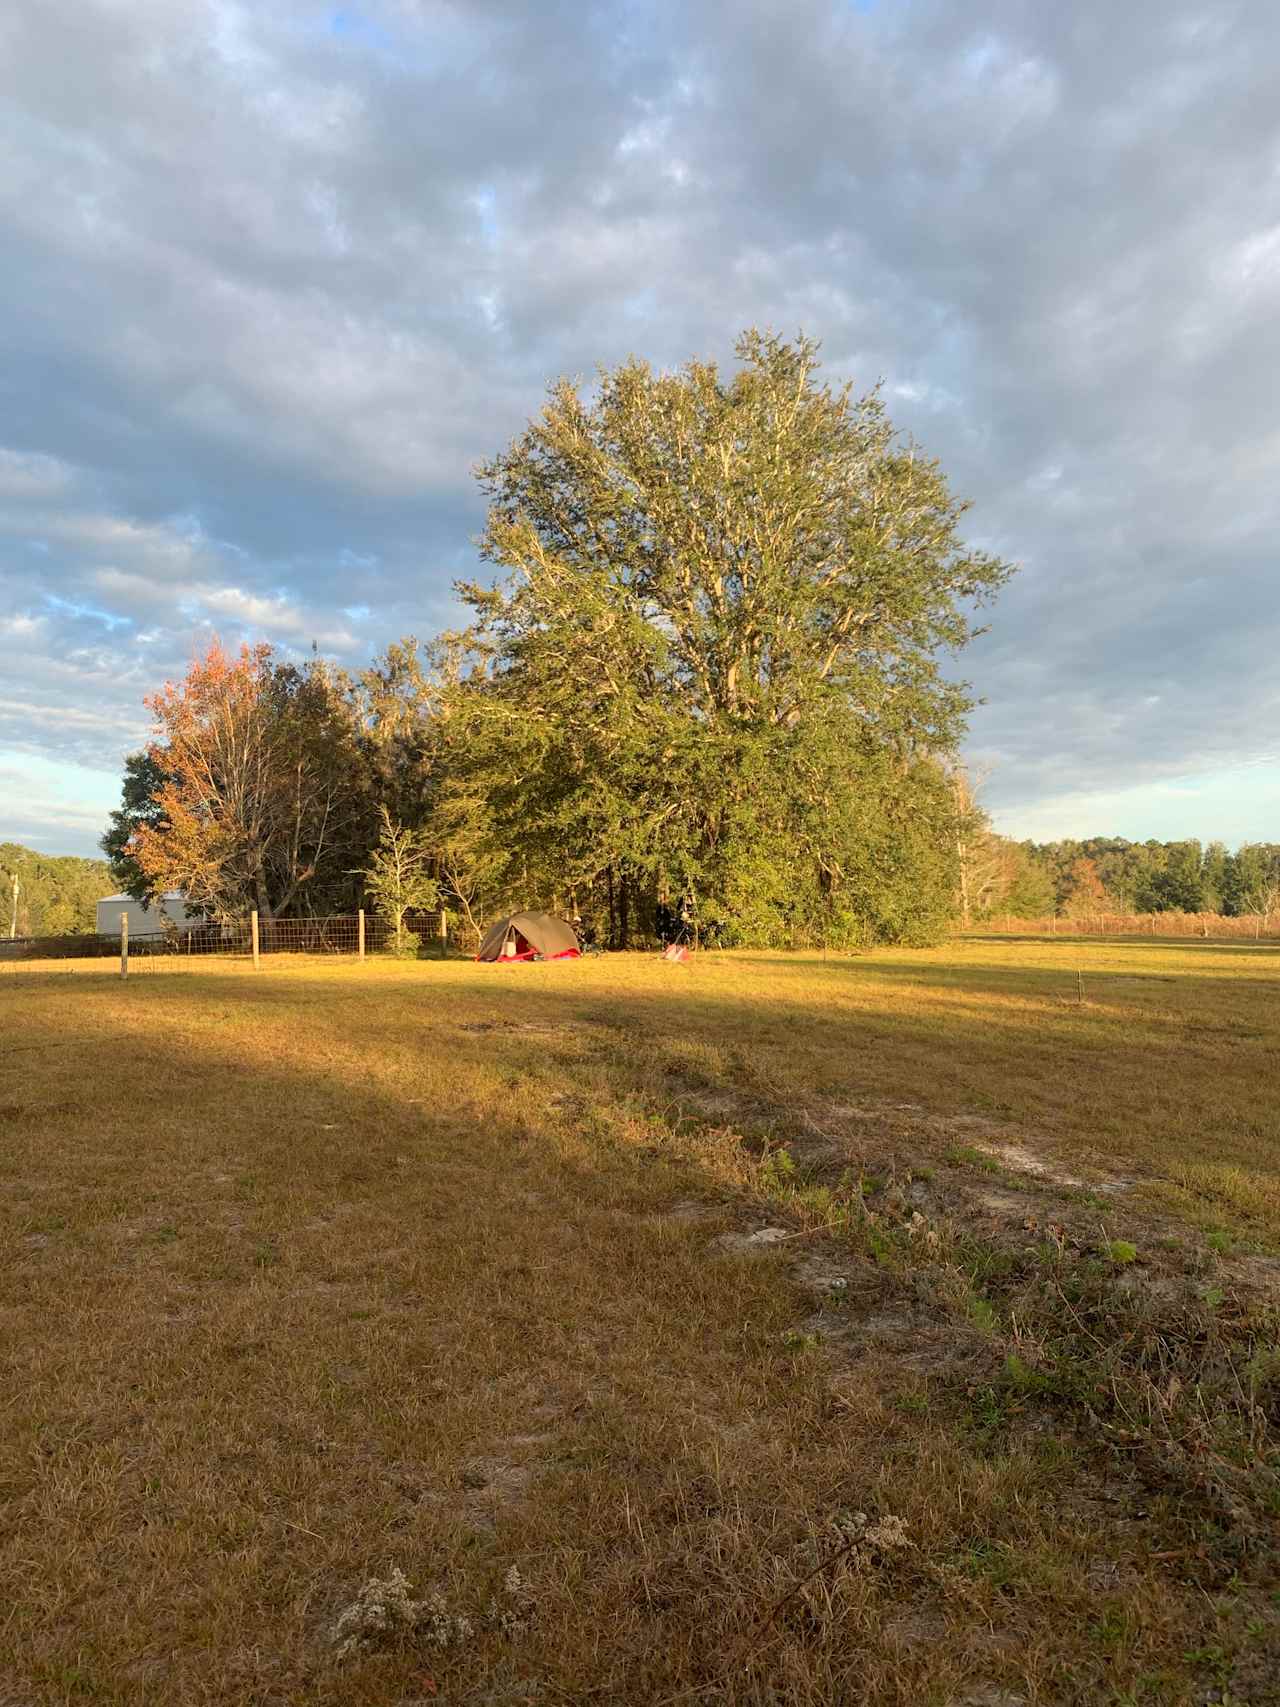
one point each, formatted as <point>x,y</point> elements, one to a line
<point>624,921</point>
<point>266,919</point>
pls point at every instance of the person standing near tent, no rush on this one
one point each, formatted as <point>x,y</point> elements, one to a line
<point>688,921</point>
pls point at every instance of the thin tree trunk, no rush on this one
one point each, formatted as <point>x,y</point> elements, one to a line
<point>260,895</point>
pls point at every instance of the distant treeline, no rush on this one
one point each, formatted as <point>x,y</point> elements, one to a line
<point>1107,875</point>
<point>44,896</point>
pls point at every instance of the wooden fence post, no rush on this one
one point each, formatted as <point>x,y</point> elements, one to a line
<point>124,945</point>
<point>360,932</point>
<point>253,936</point>
<point>444,932</point>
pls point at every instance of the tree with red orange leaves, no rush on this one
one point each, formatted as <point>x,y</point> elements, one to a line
<point>1087,896</point>
<point>262,792</point>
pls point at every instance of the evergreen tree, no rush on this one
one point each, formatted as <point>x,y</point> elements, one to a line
<point>399,876</point>
<point>1213,878</point>
<point>143,780</point>
<point>1030,894</point>
<point>1248,875</point>
<point>1178,885</point>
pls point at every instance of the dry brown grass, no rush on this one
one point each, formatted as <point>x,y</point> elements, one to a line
<point>334,1270</point>
<point>1250,927</point>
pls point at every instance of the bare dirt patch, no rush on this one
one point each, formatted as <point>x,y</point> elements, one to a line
<point>1022,1159</point>
<point>759,1243</point>
<point>690,1209</point>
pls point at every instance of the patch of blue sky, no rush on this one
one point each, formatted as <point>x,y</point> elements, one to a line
<point>485,201</point>
<point>360,29</point>
<point>72,607</point>
<point>1240,803</point>
<point>352,25</point>
<point>53,806</point>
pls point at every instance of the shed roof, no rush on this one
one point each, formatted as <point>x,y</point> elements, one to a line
<point>169,895</point>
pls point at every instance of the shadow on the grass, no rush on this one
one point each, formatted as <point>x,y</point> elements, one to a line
<point>560,1029</point>
<point>1160,1070</point>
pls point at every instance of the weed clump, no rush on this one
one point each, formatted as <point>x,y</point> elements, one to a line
<point>852,1544</point>
<point>382,1612</point>
<point>514,1613</point>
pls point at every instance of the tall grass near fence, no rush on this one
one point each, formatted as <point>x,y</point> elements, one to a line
<point>1253,927</point>
<point>248,939</point>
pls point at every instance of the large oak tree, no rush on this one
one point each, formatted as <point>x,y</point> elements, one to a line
<point>713,665</point>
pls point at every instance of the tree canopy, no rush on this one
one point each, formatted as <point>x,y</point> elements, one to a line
<point>261,788</point>
<point>1108,875</point>
<point>714,664</point>
<point>41,895</point>
<point>712,669</point>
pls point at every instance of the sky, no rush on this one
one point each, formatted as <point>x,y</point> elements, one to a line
<point>273,278</point>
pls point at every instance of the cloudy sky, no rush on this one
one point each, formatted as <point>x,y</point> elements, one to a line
<point>274,276</point>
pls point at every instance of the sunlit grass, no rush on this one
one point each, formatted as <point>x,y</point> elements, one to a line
<point>334,1268</point>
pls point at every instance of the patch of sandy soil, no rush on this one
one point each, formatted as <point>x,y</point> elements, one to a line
<point>925,1174</point>
<point>996,1201</point>
<point>1253,1273</point>
<point>493,1480</point>
<point>487,1484</point>
<point>1023,1160</point>
<point>763,1240</point>
<point>883,1134</point>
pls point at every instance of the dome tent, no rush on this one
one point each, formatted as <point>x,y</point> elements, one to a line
<point>529,936</point>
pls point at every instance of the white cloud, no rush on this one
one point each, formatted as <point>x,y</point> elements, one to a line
<point>31,475</point>
<point>261,353</point>
<point>43,715</point>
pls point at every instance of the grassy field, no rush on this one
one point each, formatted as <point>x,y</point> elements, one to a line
<point>335,1271</point>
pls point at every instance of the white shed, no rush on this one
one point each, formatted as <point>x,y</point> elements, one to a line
<point>143,921</point>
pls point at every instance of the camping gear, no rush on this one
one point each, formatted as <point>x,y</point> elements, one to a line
<point>675,951</point>
<point>529,936</point>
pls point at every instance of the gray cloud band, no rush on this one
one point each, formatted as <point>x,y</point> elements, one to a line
<point>273,278</point>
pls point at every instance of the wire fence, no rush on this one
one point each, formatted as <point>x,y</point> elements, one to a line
<point>250,941</point>
<point>1251,927</point>
<point>357,936</point>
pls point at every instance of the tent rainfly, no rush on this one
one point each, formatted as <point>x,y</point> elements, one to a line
<point>529,936</point>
